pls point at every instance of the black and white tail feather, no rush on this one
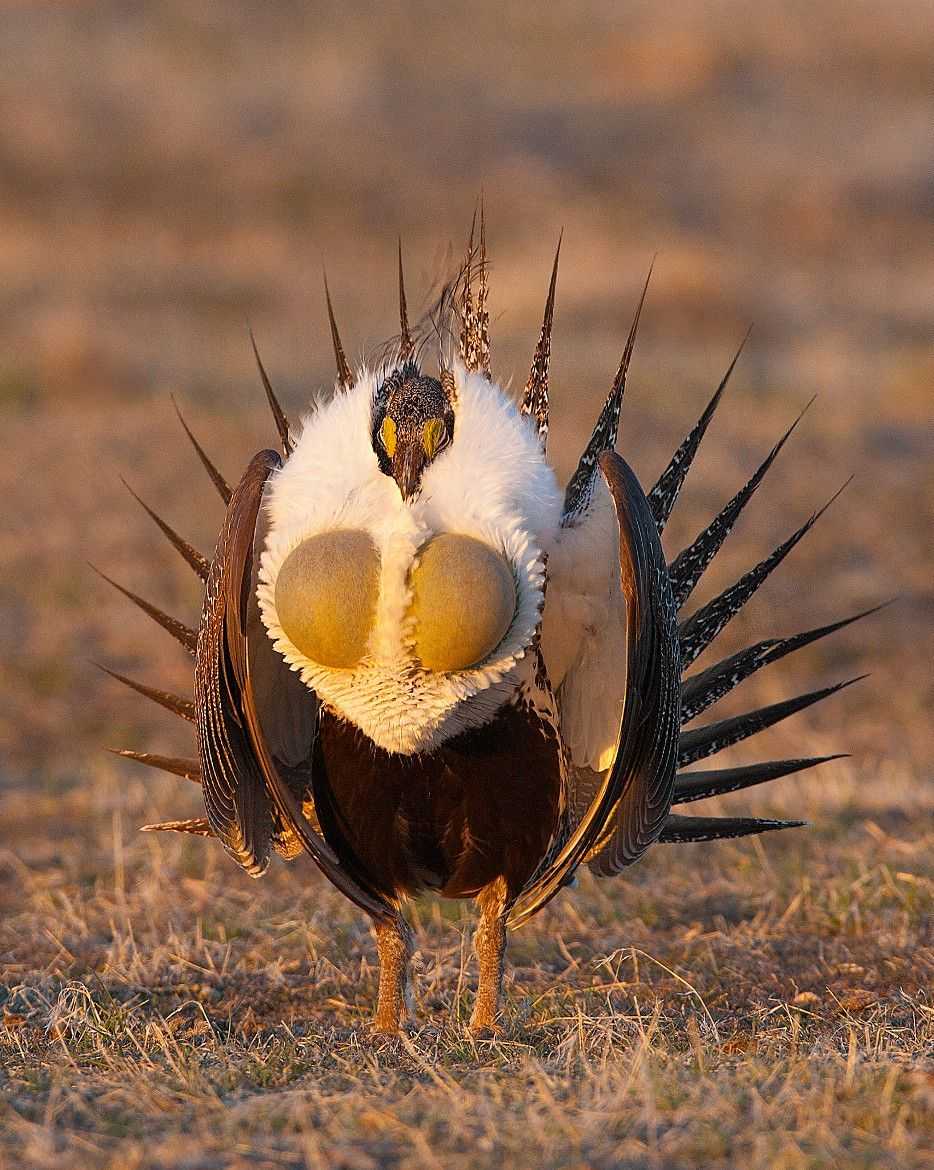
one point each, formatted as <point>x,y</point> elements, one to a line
<point>610,834</point>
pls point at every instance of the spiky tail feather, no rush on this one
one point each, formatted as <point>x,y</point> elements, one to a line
<point>678,830</point>
<point>697,632</point>
<point>690,786</point>
<point>189,769</point>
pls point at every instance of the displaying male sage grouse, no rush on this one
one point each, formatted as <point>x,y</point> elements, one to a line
<point>425,664</point>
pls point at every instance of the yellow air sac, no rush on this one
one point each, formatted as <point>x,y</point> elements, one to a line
<point>326,596</point>
<point>463,602</point>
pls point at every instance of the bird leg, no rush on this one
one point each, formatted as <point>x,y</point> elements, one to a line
<point>394,948</point>
<point>490,948</point>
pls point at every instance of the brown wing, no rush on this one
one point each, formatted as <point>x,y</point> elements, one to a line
<point>255,719</point>
<point>235,795</point>
<point>634,796</point>
<point>643,772</point>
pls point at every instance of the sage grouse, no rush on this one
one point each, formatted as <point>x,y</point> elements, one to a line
<point>424,664</point>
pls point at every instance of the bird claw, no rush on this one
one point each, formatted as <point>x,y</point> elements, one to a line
<point>388,1029</point>
<point>382,1035</point>
<point>485,1031</point>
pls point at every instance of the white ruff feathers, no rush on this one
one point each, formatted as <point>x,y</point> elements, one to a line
<point>491,483</point>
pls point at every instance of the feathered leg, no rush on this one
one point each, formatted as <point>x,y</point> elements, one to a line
<point>490,948</point>
<point>394,948</point>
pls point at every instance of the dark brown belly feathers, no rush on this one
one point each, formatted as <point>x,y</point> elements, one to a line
<point>483,806</point>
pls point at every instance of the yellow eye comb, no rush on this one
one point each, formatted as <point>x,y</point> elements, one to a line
<point>433,437</point>
<point>387,434</point>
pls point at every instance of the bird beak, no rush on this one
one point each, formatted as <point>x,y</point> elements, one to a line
<point>407,466</point>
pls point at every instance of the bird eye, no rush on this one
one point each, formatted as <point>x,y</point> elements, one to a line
<point>387,436</point>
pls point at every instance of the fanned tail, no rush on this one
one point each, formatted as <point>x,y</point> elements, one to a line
<point>689,565</point>
<point>699,630</point>
<point>580,487</point>
<point>535,398</point>
<point>278,414</point>
<point>702,690</point>
<point>707,741</point>
<point>198,827</point>
<point>188,769</point>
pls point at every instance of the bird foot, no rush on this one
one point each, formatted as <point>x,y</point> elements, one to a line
<point>484,1030</point>
<point>385,1027</point>
<point>392,1029</point>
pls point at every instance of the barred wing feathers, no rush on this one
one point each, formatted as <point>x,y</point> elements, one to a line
<point>647,754</point>
<point>635,792</point>
<point>253,722</point>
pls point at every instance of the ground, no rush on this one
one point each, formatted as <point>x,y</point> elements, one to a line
<point>173,171</point>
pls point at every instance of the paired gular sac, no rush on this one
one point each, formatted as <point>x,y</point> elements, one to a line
<point>462,600</point>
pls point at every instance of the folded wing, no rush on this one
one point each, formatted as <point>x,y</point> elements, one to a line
<point>255,719</point>
<point>633,794</point>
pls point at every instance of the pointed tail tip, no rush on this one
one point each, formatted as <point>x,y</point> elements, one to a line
<point>278,414</point>
<point>106,670</point>
<point>833,499</point>
<point>864,613</point>
<point>634,327</point>
<point>732,366</point>
<point>406,341</point>
<point>679,829</point>
<point>801,413</point>
<point>198,827</point>
<point>344,373</point>
<point>103,576</point>
<point>223,488</point>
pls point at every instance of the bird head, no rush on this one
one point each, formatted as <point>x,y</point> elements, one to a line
<point>413,422</point>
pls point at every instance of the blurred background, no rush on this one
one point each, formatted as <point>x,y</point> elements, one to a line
<point>171,172</point>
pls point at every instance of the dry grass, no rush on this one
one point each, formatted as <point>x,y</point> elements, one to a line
<point>162,1012</point>
<point>174,169</point>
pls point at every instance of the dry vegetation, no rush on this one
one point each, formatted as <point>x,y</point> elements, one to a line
<point>169,173</point>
